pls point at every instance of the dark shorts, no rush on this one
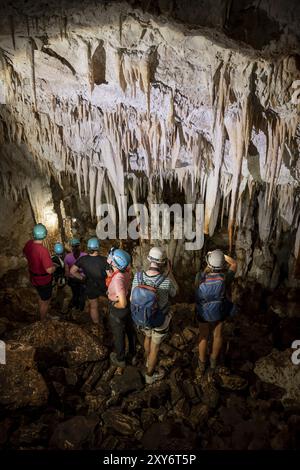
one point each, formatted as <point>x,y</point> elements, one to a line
<point>94,293</point>
<point>45,291</point>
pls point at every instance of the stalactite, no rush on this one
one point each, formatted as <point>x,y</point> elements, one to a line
<point>32,48</point>
<point>238,127</point>
<point>92,188</point>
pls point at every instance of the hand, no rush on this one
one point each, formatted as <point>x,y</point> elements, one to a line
<point>227,258</point>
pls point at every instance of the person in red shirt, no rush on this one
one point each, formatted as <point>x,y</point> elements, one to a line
<point>40,268</point>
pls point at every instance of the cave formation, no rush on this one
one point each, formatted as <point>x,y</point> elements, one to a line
<point>151,102</point>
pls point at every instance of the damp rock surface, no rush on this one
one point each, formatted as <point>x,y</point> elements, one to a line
<point>21,384</point>
<point>68,339</point>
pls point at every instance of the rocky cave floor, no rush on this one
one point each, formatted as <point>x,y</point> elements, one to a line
<point>57,393</point>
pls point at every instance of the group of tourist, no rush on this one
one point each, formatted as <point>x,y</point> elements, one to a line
<point>138,304</point>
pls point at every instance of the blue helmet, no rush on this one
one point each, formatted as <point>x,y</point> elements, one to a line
<point>58,248</point>
<point>74,242</point>
<point>39,232</point>
<point>120,258</point>
<point>93,244</point>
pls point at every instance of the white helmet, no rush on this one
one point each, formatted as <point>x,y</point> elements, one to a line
<point>215,259</point>
<point>156,255</point>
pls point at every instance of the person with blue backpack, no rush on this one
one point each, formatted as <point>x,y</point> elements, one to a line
<point>213,305</point>
<point>150,294</point>
<point>118,284</point>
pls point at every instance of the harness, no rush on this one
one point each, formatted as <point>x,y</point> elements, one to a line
<point>35,274</point>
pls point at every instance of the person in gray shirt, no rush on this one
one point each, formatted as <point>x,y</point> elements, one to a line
<point>167,288</point>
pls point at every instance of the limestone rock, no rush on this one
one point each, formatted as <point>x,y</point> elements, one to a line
<point>20,383</point>
<point>169,436</point>
<point>121,423</point>
<point>70,341</point>
<point>277,368</point>
<point>29,435</point>
<point>199,415</point>
<point>129,381</point>
<point>73,433</point>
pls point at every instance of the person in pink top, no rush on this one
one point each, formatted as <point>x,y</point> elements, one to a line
<point>118,284</point>
<point>77,286</point>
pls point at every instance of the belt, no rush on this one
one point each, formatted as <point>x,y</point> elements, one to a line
<point>35,274</point>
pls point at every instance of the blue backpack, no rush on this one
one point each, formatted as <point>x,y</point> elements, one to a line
<point>211,302</point>
<point>144,304</point>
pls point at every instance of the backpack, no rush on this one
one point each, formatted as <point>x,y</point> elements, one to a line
<point>144,304</point>
<point>59,274</point>
<point>211,298</point>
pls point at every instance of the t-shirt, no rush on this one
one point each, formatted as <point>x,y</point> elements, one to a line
<point>120,284</point>
<point>94,268</point>
<point>164,291</point>
<point>39,260</point>
<point>70,260</point>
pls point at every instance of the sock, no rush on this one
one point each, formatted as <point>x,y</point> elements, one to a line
<point>213,363</point>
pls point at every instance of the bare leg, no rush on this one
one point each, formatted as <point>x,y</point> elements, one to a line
<point>147,344</point>
<point>218,341</point>
<point>43,308</point>
<point>152,358</point>
<point>204,333</point>
<point>202,349</point>
<point>94,311</point>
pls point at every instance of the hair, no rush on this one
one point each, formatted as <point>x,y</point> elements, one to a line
<point>76,251</point>
<point>209,270</point>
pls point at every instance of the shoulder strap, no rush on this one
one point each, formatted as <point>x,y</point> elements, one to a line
<point>159,281</point>
<point>140,277</point>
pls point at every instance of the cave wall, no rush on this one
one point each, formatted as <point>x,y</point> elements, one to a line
<point>101,101</point>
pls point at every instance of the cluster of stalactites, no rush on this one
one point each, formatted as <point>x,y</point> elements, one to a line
<point>108,150</point>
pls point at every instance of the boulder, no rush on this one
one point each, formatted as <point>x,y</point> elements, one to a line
<point>278,369</point>
<point>20,382</point>
<point>95,402</point>
<point>169,436</point>
<point>199,415</point>
<point>72,342</point>
<point>31,434</point>
<point>211,395</point>
<point>231,381</point>
<point>148,417</point>
<point>121,423</point>
<point>129,381</point>
<point>73,433</point>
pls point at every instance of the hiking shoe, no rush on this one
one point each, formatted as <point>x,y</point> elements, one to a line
<point>200,371</point>
<point>151,379</point>
<point>115,362</point>
<point>213,363</point>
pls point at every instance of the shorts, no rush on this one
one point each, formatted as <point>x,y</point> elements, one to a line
<point>94,293</point>
<point>158,334</point>
<point>45,292</point>
<point>207,328</point>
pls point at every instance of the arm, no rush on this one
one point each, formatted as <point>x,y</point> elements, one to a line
<point>232,263</point>
<point>51,270</point>
<point>75,272</point>
<point>122,301</point>
<point>47,263</point>
<point>134,284</point>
